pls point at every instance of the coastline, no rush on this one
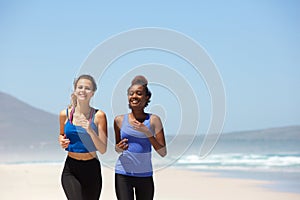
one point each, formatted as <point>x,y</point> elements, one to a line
<point>42,181</point>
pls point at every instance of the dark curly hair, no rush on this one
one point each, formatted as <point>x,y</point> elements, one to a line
<point>141,80</point>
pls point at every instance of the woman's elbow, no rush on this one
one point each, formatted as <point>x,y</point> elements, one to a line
<point>162,152</point>
<point>102,150</point>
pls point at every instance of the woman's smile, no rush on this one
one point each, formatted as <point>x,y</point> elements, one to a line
<point>134,101</point>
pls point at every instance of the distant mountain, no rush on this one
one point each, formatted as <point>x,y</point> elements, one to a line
<point>21,123</point>
<point>278,133</point>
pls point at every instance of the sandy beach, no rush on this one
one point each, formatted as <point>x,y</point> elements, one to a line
<point>42,181</point>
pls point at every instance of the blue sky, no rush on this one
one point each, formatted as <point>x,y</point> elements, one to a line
<point>254,44</point>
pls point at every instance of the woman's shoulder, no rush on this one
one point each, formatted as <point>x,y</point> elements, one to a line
<point>119,118</point>
<point>99,113</point>
<point>154,118</point>
<point>100,117</point>
<point>63,113</point>
<point>66,112</point>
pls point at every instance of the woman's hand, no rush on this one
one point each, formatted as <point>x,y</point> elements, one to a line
<point>84,123</point>
<point>63,141</point>
<point>157,140</point>
<point>142,128</point>
<point>122,145</point>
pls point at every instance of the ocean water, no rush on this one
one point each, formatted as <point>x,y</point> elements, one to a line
<point>260,157</point>
<point>282,170</point>
<point>288,162</point>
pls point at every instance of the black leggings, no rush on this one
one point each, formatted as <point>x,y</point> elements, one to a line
<point>82,180</point>
<point>143,186</point>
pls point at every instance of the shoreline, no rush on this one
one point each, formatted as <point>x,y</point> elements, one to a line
<point>277,181</point>
<point>42,181</point>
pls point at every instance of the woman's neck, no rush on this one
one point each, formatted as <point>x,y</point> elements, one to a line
<point>139,115</point>
<point>82,108</point>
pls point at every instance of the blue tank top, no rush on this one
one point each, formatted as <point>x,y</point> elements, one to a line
<point>136,160</point>
<point>80,140</point>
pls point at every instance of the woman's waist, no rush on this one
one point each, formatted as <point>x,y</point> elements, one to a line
<point>139,148</point>
<point>82,156</point>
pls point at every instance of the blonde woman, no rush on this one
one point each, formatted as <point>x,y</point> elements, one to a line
<point>83,131</point>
